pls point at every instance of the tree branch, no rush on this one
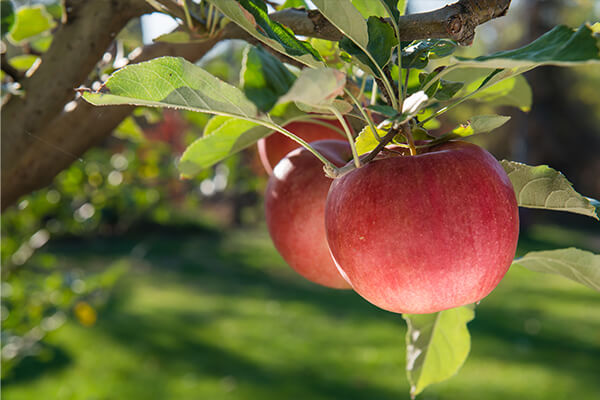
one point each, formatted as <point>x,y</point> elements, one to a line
<point>73,132</point>
<point>455,21</point>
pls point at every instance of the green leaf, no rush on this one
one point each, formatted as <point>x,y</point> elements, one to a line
<point>178,36</point>
<point>369,8</point>
<point>316,87</point>
<point>276,31</point>
<point>366,140</point>
<point>417,53</point>
<point>7,16</point>
<point>379,48</point>
<point>388,111</point>
<point>23,62</point>
<point>264,79</point>
<point>172,82</point>
<point>544,187</point>
<point>381,8</point>
<point>574,264</point>
<point>447,89</point>
<point>513,91</point>
<point>437,345</point>
<point>256,22</point>
<point>225,136</point>
<point>31,21</point>
<point>481,124</point>
<point>475,125</point>
<point>560,46</point>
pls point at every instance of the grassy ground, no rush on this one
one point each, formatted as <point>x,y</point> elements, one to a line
<point>204,315</point>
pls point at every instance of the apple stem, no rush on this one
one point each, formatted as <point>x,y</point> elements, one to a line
<point>411,142</point>
<point>340,117</point>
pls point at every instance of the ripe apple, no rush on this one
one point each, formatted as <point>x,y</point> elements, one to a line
<point>274,147</point>
<point>424,233</point>
<point>295,207</point>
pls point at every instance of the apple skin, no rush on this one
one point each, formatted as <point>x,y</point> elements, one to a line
<point>295,208</point>
<point>274,147</point>
<point>424,233</point>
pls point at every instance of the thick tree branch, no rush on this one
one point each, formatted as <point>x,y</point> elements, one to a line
<point>73,132</point>
<point>86,32</point>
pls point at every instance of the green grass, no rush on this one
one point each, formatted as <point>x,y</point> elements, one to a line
<point>204,315</point>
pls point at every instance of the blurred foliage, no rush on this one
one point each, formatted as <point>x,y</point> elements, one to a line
<point>130,181</point>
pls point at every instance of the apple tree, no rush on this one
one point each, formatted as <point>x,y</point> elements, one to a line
<point>415,220</point>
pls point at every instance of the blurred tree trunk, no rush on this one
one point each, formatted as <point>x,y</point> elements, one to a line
<point>561,130</point>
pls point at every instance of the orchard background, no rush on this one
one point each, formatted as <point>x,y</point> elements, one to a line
<point>121,280</point>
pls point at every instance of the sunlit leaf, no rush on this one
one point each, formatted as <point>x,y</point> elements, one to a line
<point>176,83</point>
<point>475,125</point>
<point>513,91</point>
<point>30,21</point>
<point>544,187</point>
<point>437,345</point>
<point>366,140</point>
<point>574,264</point>
<point>224,136</point>
<point>23,62</point>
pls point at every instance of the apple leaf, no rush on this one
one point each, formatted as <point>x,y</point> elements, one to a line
<point>382,109</point>
<point>252,16</point>
<point>379,47</point>
<point>437,345</point>
<point>547,188</point>
<point>31,21</point>
<point>264,79</point>
<point>316,87</point>
<point>176,83</point>
<point>560,46</point>
<point>230,136</point>
<point>513,91</point>
<point>224,136</point>
<point>366,140</point>
<point>416,54</point>
<point>23,62</point>
<point>577,265</point>
<point>369,8</point>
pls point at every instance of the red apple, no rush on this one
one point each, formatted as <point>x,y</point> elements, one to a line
<point>295,207</point>
<point>424,233</point>
<point>274,147</point>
